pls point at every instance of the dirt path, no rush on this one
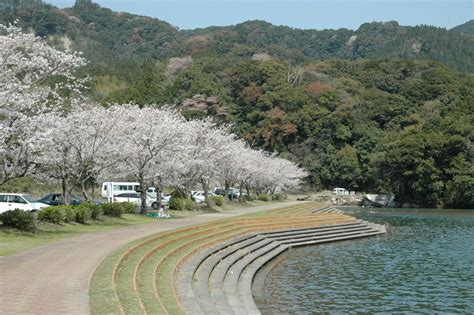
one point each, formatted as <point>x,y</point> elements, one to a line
<point>54,278</point>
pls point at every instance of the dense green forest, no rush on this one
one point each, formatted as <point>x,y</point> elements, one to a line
<point>385,108</point>
<point>466,28</point>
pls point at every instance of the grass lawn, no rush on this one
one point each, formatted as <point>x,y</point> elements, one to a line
<point>12,241</point>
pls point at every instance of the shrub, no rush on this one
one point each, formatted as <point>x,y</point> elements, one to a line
<point>278,197</point>
<point>177,203</point>
<point>188,204</point>
<point>19,219</point>
<point>83,213</point>
<point>51,214</point>
<point>96,212</point>
<point>264,197</point>
<point>250,197</point>
<point>217,200</point>
<point>69,213</point>
<point>128,207</point>
<point>112,209</point>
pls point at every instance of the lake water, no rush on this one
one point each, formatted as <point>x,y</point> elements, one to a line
<point>425,264</point>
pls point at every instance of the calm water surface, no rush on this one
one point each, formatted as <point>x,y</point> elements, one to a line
<point>425,264</point>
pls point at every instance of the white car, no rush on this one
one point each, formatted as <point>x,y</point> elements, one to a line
<point>9,201</point>
<point>135,198</point>
<point>199,196</point>
<point>340,191</point>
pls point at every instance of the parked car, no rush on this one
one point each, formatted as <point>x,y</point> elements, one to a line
<point>233,193</point>
<point>135,198</point>
<point>199,196</point>
<point>9,201</point>
<point>58,199</point>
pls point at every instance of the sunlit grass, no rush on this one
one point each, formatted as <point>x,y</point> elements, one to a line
<point>139,277</point>
<point>13,241</point>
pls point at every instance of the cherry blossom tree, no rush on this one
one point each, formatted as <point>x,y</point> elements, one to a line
<point>27,67</point>
<point>207,147</point>
<point>151,140</point>
<point>80,146</point>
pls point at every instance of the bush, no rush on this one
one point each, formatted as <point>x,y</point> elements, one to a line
<point>51,214</point>
<point>250,197</point>
<point>264,197</point>
<point>19,219</point>
<point>95,210</point>
<point>177,203</point>
<point>128,207</point>
<point>188,204</point>
<point>278,197</point>
<point>112,209</point>
<point>69,213</point>
<point>83,213</point>
<point>217,200</point>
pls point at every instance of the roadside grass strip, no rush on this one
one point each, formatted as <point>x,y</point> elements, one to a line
<point>139,278</point>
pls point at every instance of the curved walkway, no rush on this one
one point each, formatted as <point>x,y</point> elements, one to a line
<point>54,279</point>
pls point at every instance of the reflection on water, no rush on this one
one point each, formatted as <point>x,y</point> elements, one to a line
<point>424,264</point>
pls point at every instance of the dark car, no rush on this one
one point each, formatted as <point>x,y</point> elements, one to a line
<point>231,195</point>
<point>58,199</point>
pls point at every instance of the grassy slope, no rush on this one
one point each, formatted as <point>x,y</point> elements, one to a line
<point>13,241</point>
<point>139,277</point>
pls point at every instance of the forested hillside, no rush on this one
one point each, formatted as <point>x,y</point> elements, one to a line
<point>466,28</point>
<point>384,108</point>
<point>101,33</point>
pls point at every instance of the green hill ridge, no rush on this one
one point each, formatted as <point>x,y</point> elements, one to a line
<point>385,108</point>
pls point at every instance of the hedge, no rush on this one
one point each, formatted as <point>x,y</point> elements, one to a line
<point>178,203</point>
<point>217,200</point>
<point>19,219</point>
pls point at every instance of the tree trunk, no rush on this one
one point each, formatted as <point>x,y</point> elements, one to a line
<point>84,190</point>
<point>93,187</point>
<point>65,187</point>
<point>226,189</point>
<point>241,191</point>
<point>143,188</point>
<point>205,188</point>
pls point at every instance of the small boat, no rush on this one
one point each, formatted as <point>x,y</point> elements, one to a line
<point>376,200</point>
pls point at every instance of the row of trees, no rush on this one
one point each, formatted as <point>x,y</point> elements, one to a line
<point>49,130</point>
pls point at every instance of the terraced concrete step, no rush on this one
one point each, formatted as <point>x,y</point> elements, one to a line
<point>230,283</point>
<point>187,272</point>
<point>317,228</point>
<point>247,276</point>
<point>219,279</point>
<point>322,234</point>
<point>337,238</point>
<point>321,209</point>
<point>218,274</point>
<point>201,286</point>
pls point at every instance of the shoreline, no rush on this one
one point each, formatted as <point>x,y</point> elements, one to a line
<point>230,277</point>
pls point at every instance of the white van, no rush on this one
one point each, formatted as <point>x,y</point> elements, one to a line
<point>110,189</point>
<point>340,191</point>
<point>25,202</point>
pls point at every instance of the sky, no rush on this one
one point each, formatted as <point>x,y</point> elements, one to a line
<point>305,14</point>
